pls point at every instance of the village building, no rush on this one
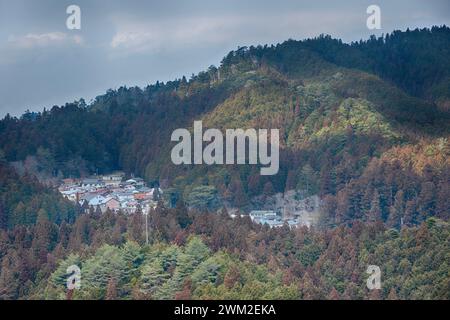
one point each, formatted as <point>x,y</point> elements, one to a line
<point>71,194</point>
<point>110,203</point>
<point>92,182</point>
<point>109,192</point>
<point>96,200</point>
<point>113,179</point>
<point>137,182</point>
<point>272,219</point>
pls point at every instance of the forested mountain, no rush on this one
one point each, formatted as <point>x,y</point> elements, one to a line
<point>345,111</point>
<point>365,126</point>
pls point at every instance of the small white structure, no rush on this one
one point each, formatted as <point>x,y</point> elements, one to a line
<point>268,217</point>
<point>97,200</point>
<point>71,194</point>
<point>92,182</point>
<point>113,179</point>
<point>263,214</point>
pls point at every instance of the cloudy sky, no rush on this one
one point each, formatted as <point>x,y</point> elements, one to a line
<point>136,42</point>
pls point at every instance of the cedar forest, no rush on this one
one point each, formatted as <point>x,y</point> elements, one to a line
<point>365,126</point>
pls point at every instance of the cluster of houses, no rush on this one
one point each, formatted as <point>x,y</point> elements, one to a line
<point>111,191</point>
<point>114,192</point>
<point>272,219</point>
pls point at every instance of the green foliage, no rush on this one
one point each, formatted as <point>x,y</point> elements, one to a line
<point>222,258</point>
<point>203,197</point>
<point>363,125</point>
<point>107,263</point>
<point>153,277</point>
<point>22,197</point>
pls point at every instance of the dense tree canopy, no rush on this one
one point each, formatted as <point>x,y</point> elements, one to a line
<point>217,257</point>
<point>364,126</point>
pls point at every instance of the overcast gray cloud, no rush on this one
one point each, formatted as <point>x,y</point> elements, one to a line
<point>42,63</point>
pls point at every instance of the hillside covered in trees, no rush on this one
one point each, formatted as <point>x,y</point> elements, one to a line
<point>365,126</point>
<point>346,112</point>
<point>211,256</point>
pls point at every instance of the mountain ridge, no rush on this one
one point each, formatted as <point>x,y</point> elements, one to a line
<point>335,118</point>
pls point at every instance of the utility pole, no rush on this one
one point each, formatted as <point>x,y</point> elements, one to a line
<point>146,224</point>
